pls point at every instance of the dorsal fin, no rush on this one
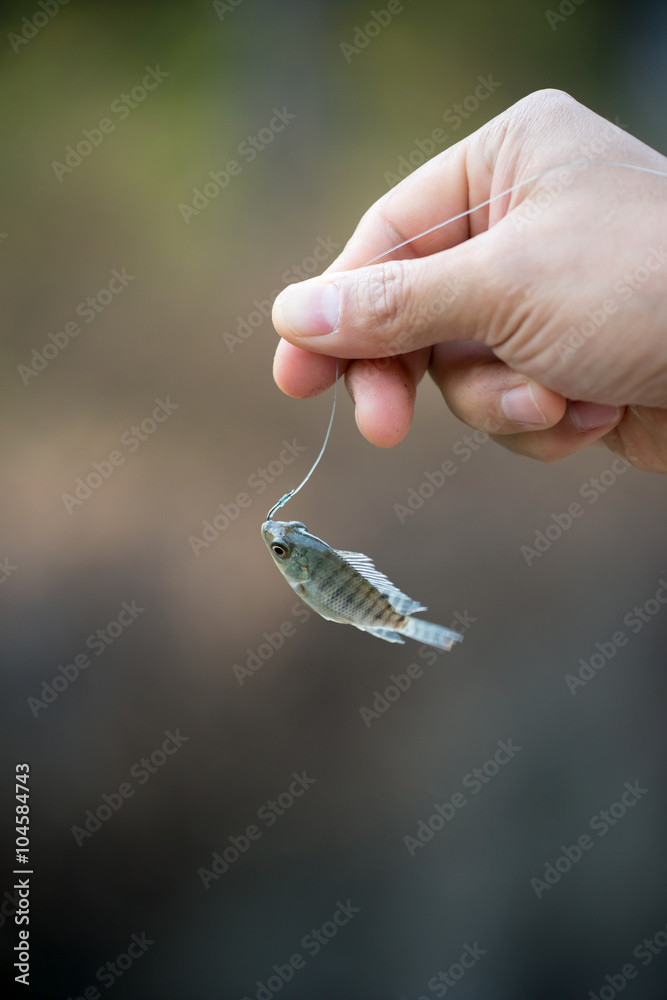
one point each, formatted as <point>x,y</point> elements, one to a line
<point>398,600</point>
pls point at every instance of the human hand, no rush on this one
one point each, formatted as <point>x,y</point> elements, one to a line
<point>542,317</point>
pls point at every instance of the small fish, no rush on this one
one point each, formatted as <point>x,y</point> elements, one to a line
<point>346,587</point>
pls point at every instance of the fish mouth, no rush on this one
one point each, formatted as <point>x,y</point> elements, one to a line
<point>278,530</point>
<point>271,531</point>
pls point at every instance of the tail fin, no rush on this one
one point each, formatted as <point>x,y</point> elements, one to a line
<point>432,635</point>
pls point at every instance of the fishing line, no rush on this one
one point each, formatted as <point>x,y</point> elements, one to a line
<point>528,180</point>
<point>288,496</point>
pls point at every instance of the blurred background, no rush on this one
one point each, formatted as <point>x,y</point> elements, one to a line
<point>143,441</point>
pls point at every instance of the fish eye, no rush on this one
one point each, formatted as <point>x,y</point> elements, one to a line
<point>280,550</point>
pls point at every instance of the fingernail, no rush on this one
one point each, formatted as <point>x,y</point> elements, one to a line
<point>588,416</point>
<point>519,405</point>
<point>310,309</point>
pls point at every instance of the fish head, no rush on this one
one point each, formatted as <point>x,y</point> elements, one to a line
<point>287,541</point>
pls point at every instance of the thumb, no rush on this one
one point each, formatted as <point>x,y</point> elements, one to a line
<point>396,307</point>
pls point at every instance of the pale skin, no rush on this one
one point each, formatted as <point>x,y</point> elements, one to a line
<point>556,293</point>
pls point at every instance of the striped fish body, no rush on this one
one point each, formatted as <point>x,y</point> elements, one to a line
<point>346,587</point>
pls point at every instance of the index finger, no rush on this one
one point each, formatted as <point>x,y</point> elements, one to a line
<point>446,186</point>
<point>436,191</point>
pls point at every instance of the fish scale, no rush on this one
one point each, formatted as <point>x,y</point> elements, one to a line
<point>345,587</point>
<point>353,593</point>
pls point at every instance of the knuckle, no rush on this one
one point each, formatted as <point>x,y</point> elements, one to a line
<point>650,463</point>
<point>383,300</point>
<point>552,97</point>
<point>641,438</point>
<point>644,455</point>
